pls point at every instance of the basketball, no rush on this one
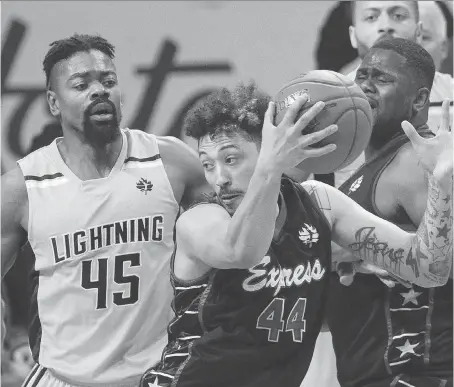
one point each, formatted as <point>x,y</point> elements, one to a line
<point>346,106</point>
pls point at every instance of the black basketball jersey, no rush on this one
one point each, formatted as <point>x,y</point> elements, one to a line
<point>255,327</point>
<point>380,334</point>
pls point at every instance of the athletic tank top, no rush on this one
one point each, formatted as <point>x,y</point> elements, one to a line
<point>101,291</point>
<point>442,87</point>
<point>255,327</point>
<point>380,332</point>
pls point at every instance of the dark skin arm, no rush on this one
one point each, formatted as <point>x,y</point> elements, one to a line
<point>183,169</point>
<point>14,219</point>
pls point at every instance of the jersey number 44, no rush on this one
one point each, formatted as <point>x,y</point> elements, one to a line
<point>272,320</point>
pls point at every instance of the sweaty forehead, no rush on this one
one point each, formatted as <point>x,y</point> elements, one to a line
<point>386,61</point>
<point>82,62</point>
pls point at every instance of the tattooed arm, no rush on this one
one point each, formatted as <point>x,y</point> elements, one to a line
<point>424,258</point>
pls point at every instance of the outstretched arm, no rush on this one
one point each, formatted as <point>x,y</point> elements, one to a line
<point>424,258</point>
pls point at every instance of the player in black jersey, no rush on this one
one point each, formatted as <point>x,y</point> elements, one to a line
<point>251,268</point>
<point>395,336</point>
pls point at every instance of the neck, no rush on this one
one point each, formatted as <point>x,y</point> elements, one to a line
<point>373,148</point>
<point>370,152</point>
<point>88,160</point>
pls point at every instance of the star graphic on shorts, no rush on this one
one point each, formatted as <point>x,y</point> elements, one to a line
<point>443,231</point>
<point>155,383</point>
<point>407,348</point>
<point>411,296</point>
<point>438,252</point>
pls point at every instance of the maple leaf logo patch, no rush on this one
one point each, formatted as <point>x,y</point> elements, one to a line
<point>308,234</point>
<point>144,185</point>
<point>356,184</point>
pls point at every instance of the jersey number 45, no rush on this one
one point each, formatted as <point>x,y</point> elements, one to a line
<point>119,278</point>
<point>271,319</point>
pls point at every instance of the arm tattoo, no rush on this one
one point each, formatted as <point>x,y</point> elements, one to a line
<point>320,197</point>
<point>430,253</point>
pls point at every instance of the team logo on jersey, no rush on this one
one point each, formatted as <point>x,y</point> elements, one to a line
<point>356,184</point>
<point>144,185</point>
<point>308,234</point>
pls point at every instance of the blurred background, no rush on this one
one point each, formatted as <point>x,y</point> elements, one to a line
<point>168,55</point>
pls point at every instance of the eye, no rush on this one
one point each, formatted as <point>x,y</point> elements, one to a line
<point>80,86</point>
<point>371,18</point>
<point>207,166</point>
<point>230,160</point>
<point>360,76</point>
<point>383,79</point>
<point>110,83</point>
<point>399,16</point>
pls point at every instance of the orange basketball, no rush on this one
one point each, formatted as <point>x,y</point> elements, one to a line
<point>346,106</point>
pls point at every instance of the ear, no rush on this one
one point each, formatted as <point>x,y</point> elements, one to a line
<point>54,105</point>
<point>353,41</point>
<point>421,100</point>
<point>444,48</point>
<point>418,32</point>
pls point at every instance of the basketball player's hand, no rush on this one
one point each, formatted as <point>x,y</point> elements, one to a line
<point>284,146</point>
<point>435,153</point>
<point>347,271</point>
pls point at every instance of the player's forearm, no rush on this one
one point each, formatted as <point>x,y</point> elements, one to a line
<point>424,258</point>
<point>251,228</point>
<point>432,244</point>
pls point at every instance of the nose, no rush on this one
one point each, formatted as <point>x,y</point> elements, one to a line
<point>366,86</point>
<point>223,178</point>
<point>385,24</point>
<point>98,91</point>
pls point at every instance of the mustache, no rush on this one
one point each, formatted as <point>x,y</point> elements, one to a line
<point>224,192</point>
<point>384,36</point>
<point>97,101</point>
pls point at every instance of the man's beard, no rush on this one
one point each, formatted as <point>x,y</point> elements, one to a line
<point>105,131</point>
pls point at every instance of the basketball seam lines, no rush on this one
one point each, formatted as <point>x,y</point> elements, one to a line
<point>355,108</point>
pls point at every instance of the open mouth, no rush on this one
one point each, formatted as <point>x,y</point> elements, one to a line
<point>373,104</point>
<point>102,110</point>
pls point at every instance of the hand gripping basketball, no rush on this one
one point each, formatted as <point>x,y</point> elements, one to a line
<point>435,153</point>
<point>284,146</point>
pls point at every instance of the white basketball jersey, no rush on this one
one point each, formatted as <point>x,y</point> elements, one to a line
<point>102,294</point>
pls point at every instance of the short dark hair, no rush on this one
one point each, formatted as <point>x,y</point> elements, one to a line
<point>418,60</point>
<point>65,48</point>
<point>240,111</point>
<point>352,7</point>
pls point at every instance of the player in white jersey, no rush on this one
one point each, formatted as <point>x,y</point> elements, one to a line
<point>99,206</point>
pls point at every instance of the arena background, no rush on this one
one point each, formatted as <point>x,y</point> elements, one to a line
<point>168,54</point>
